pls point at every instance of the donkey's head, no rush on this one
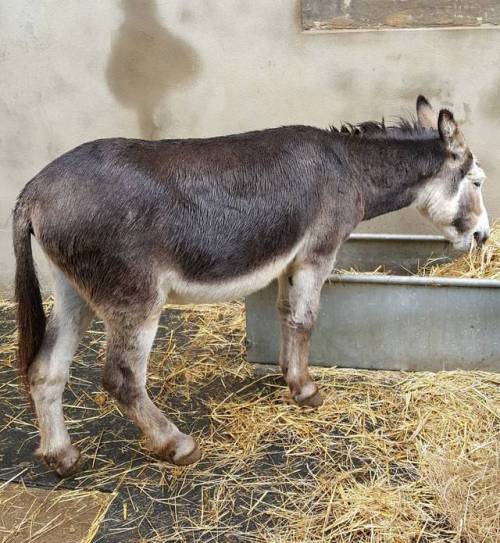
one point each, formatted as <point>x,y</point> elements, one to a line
<point>452,199</point>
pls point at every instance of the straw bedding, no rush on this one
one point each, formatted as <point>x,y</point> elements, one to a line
<point>389,457</point>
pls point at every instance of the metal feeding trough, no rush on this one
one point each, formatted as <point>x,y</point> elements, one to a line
<point>394,322</point>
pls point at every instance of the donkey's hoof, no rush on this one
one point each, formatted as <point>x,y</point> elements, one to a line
<point>190,458</point>
<point>65,462</point>
<point>183,453</point>
<point>313,400</point>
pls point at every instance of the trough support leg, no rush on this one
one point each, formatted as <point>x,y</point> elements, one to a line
<point>128,349</point>
<point>298,305</point>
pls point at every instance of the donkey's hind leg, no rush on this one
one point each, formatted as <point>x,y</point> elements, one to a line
<point>128,347</point>
<point>49,373</point>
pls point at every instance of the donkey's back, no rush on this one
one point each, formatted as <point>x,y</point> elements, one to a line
<point>212,210</point>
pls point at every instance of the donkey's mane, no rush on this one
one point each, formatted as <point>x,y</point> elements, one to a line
<point>401,129</point>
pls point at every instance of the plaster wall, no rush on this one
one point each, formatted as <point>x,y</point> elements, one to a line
<point>74,71</point>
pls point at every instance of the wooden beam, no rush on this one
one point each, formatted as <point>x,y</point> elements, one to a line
<point>384,14</point>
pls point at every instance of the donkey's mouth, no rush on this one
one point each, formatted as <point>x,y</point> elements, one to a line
<point>464,244</point>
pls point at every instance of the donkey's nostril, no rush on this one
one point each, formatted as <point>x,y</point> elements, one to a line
<point>480,237</point>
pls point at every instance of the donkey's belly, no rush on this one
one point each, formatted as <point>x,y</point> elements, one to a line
<point>182,291</point>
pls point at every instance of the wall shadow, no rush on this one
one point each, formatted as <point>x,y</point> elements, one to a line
<point>147,62</point>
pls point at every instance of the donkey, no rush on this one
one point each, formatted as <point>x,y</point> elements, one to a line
<point>128,225</point>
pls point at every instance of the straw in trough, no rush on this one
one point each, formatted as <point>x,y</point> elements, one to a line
<point>483,263</point>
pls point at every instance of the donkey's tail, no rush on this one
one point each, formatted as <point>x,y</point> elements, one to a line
<point>31,319</point>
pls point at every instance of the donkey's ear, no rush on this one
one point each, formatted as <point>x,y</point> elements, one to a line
<point>450,133</point>
<point>426,116</point>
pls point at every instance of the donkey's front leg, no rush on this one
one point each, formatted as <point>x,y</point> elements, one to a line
<point>298,305</point>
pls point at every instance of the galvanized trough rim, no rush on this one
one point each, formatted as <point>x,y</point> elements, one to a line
<point>397,237</point>
<point>413,280</point>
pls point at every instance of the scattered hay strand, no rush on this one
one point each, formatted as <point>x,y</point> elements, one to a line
<point>467,489</point>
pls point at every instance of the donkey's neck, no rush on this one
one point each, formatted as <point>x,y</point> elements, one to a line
<point>390,172</point>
